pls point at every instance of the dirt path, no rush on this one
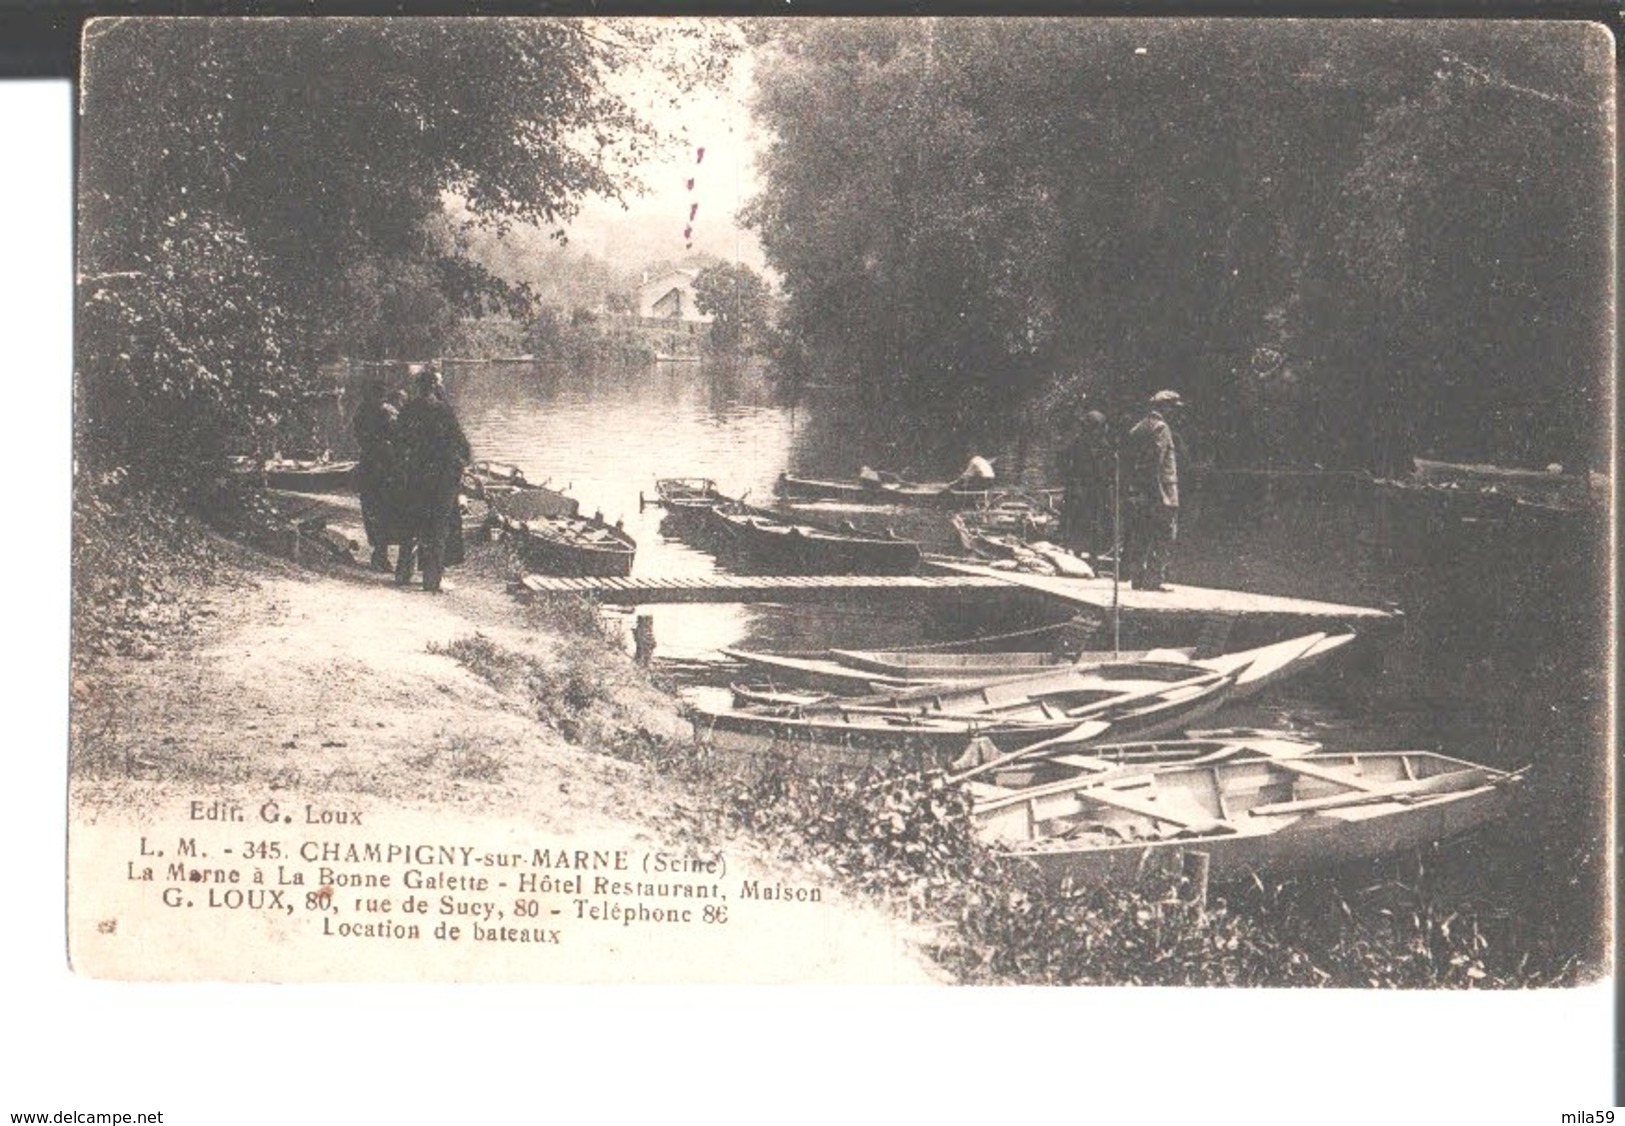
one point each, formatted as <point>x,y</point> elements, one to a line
<point>326,692</point>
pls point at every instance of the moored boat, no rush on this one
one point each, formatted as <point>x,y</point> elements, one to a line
<point>571,545</point>
<point>1066,757</point>
<point>778,544</point>
<point>936,665</point>
<point>506,490</point>
<point>862,735</point>
<point>971,676</point>
<point>858,671</point>
<point>1246,814</point>
<point>1551,486</point>
<point>688,500</point>
<point>300,475</point>
<point>880,488</point>
<point>1004,529</point>
<point>862,739</point>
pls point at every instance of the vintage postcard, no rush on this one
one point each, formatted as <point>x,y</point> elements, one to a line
<point>974,501</point>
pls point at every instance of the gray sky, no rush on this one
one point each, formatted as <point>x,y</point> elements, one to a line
<point>650,228</point>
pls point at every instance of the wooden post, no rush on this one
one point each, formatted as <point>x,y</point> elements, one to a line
<point>1117,550</point>
<point>643,639</point>
<point>1196,868</point>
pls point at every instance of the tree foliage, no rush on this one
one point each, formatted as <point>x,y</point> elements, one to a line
<point>736,299</point>
<point>303,169</point>
<point>1331,240</point>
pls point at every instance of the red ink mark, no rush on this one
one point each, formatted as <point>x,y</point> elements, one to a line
<point>691,183</point>
<point>693,210</point>
<point>700,156</point>
<point>324,896</point>
<point>688,232</point>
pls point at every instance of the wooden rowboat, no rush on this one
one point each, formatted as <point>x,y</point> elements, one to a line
<point>688,502</point>
<point>506,490</point>
<point>692,494</point>
<point>936,665</point>
<point>1252,669</point>
<point>1543,486</point>
<point>863,736</point>
<point>1002,530</point>
<point>883,488</point>
<point>299,475</point>
<point>1247,815</point>
<point>1066,757</point>
<point>816,670</point>
<point>777,544</point>
<point>861,740</point>
<point>859,671</point>
<point>571,545</point>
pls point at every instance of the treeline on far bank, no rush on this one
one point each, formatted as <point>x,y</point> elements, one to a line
<point>1345,243</point>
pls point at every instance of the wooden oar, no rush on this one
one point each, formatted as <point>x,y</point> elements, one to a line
<point>901,701</point>
<point>1116,774</point>
<point>1082,733</point>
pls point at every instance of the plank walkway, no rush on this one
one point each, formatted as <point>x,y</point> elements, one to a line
<point>950,578</point>
<point>755,588</point>
<point>1179,599</point>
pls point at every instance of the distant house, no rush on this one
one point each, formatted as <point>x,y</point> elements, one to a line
<point>670,297</point>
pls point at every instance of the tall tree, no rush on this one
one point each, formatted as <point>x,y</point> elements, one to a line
<point>735,297</point>
<point>313,161</point>
<point>1300,226</point>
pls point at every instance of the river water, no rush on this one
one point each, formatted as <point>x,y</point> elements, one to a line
<point>1501,659</point>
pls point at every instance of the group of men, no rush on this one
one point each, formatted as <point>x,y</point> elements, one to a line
<point>1143,466</point>
<point>413,452</point>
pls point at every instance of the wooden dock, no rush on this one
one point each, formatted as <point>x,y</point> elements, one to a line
<point>949,578</point>
<point>756,588</point>
<point>1179,599</point>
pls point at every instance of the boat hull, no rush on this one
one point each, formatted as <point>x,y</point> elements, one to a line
<point>688,502</point>
<point>1293,852</point>
<point>941,494</point>
<point>859,737</point>
<point>507,491</point>
<point>871,741</point>
<point>1280,816</point>
<point>296,477</point>
<point>555,547</point>
<point>767,543</point>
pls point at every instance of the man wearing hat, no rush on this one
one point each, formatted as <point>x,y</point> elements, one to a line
<point>1152,484</point>
<point>433,452</point>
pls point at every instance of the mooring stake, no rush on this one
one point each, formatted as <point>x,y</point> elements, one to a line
<point>643,639</point>
<point>1196,869</point>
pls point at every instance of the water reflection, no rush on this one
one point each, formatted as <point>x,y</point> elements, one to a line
<point>1501,633</point>
<point>1501,659</point>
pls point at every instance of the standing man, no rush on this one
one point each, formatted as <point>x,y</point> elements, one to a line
<point>1152,483</point>
<point>1086,516</point>
<point>374,425</point>
<point>434,451</point>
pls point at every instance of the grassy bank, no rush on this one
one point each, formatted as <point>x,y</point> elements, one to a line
<point>558,690</point>
<point>905,838</point>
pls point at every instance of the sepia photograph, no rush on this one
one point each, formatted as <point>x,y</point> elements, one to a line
<point>983,501</point>
<point>1045,501</point>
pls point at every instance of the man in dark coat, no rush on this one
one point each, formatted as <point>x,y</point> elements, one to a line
<point>1151,480</point>
<point>374,426</point>
<point>433,451</point>
<point>1086,516</point>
